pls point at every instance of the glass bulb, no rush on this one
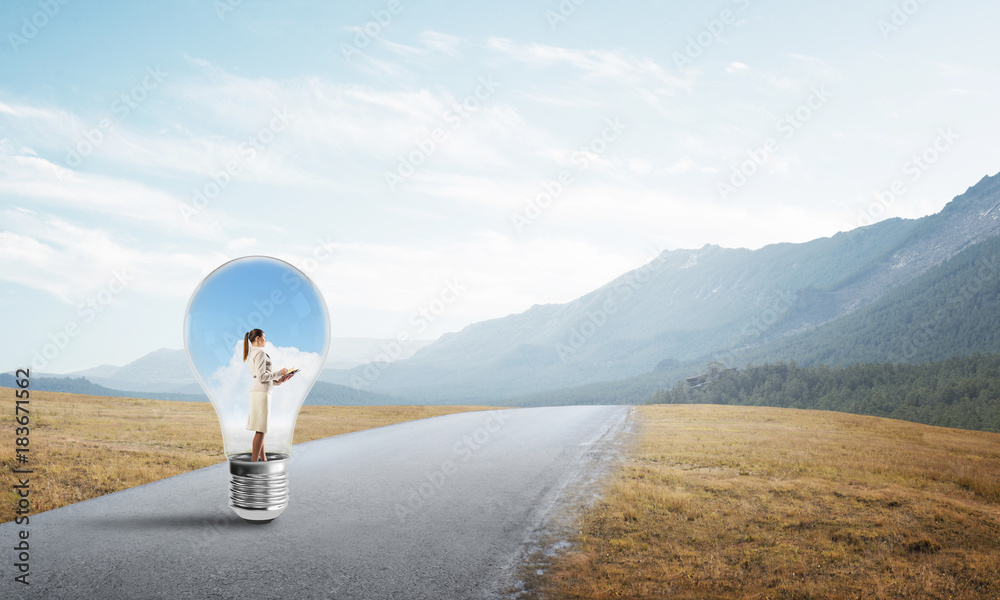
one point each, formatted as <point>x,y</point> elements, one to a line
<point>256,292</point>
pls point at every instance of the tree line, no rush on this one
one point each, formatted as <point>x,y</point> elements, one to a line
<point>962,392</point>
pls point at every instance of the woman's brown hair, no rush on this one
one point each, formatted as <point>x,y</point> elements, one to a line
<point>249,338</point>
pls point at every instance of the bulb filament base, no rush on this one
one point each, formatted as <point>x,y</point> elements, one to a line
<point>258,490</point>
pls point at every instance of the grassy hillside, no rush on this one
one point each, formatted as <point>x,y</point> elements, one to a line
<point>88,446</point>
<point>751,502</point>
<point>948,311</point>
<point>959,392</point>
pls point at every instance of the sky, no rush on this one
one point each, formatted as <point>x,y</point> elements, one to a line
<point>434,164</point>
<point>253,293</point>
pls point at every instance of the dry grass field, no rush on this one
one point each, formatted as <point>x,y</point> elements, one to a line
<point>88,446</point>
<point>726,502</point>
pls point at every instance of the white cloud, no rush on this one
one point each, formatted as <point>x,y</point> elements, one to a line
<point>682,166</point>
<point>229,390</point>
<point>241,244</point>
<point>442,42</point>
<point>72,260</point>
<point>383,70</point>
<point>663,217</point>
<point>25,175</point>
<point>331,124</point>
<point>639,165</point>
<point>31,112</point>
<point>501,274</point>
<point>400,49</point>
<point>562,100</point>
<point>598,65</point>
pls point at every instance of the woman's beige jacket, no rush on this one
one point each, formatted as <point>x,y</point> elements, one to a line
<point>260,368</point>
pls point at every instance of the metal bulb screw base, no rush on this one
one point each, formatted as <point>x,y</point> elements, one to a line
<point>258,490</point>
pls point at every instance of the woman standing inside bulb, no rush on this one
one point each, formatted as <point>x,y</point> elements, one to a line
<point>260,389</point>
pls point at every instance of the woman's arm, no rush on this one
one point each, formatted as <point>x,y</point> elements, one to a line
<point>259,368</point>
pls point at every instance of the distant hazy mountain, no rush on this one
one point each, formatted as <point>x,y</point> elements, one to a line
<point>167,370</point>
<point>345,353</point>
<point>159,365</point>
<point>99,371</point>
<point>82,385</point>
<point>322,393</point>
<point>162,370</point>
<point>847,298</point>
<point>684,305</point>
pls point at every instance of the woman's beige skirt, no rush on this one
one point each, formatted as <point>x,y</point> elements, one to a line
<point>260,406</point>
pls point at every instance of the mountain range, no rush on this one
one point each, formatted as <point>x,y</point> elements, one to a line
<point>901,290</point>
<point>322,392</point>
<point>690,306</point>
<point>167,371</point>
<point>165,374</point>
<point>945,313</point>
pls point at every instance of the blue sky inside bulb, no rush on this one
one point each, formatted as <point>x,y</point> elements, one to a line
<point>244,294</point>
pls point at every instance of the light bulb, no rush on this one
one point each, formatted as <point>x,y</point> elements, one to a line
<point>256,292</point>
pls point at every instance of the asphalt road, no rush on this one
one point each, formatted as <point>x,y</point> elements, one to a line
<point>437,508</point>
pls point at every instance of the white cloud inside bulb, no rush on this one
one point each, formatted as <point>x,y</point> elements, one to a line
<point>229,389</point>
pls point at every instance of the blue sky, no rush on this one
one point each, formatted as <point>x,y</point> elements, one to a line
<point>433,164</point>
<point>254,293</point>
